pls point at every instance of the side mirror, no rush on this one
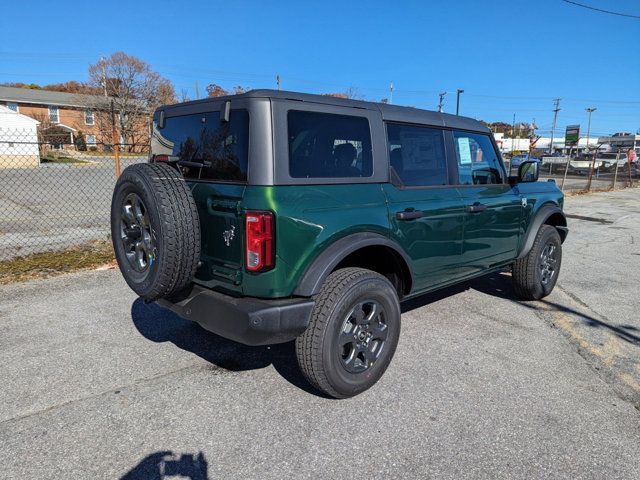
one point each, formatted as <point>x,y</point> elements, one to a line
<point>528,172</point>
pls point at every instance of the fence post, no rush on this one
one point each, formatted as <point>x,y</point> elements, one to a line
<point>629,168</point>
<point>615,174</point>
<point>564,178</point>
<point>593,162</point>
<point>116,140</point>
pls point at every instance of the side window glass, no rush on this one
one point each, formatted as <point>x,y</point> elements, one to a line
<point>417,155</point>
<point>478,162</point>
<point>323,145</point>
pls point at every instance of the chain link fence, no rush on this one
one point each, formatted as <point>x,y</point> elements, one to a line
<point>55,195</point>
<point>573,175</point>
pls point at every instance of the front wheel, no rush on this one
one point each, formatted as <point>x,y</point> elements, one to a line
<point>352,334</point>
<point>535,274</point>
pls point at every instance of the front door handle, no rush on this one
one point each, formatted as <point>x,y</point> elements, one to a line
<point>476,208</point>
<point>409,215</point>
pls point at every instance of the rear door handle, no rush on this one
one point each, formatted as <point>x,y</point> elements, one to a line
<point>478,207</point>
<point>409,215</point>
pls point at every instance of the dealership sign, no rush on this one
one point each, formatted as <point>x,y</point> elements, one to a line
<point>572,135</point>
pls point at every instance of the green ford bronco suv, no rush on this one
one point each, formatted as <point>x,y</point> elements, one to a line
<point>272,216</point>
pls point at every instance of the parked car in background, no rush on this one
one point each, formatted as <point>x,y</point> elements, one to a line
<point>517,160</point>
<point>610,158</point>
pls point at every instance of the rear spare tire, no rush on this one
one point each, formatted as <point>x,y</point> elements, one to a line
<point>155,230</point>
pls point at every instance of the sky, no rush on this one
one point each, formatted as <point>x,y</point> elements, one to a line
<point>509,56</point>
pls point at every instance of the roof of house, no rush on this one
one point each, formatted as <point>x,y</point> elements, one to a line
<point>16,116</point>
<point>389,112</point>
<point>48,97</point>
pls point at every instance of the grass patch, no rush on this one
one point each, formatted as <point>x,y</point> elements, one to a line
<point>48,264</point>
<point>50,158</point>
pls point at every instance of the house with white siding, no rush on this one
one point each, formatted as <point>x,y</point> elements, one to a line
<point>18,140</point>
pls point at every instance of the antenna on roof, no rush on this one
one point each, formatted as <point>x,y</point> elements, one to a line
<point>391,93</point>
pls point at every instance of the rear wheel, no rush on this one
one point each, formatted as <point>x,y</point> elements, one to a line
<point>352,334</point>
<point>535,274</point>
<point>155,230</point>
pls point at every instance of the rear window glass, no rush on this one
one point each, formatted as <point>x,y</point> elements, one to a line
<point>206,148</point>
<point>323,145</point>
<point>416,155</point>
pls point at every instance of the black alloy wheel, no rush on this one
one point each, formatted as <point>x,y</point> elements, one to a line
<point>548,262</point>
<point>136,234</point>
<point>363,336</point>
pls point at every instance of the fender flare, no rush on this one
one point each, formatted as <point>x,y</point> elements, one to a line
<point>540,219</point>
<point>315,275</point>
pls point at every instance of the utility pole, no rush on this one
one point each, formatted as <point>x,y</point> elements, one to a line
<point>555,118</point>
<point>197,93</point>
<point>104,75</point>
<point>458,101</point>
<point>391,93</point>
<point>441,101</point>
<point>278,81</point>
<point>590,110</point>
<point>513,134</point>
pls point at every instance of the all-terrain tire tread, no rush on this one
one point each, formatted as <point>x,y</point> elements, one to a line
<point>525,270</point>
<point>310,344</point>
<point>180,228</point>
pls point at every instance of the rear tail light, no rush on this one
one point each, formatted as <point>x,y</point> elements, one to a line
<point>259,230</point>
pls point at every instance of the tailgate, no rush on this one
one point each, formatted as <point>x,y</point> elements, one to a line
<point>221,231</point>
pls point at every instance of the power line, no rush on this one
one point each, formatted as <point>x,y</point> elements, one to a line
<point>193,73</point>
<point>601,10</point>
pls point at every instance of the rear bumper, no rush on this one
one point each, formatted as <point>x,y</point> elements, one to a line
<point>247,320</point>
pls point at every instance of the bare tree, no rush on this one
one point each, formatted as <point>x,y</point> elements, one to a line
<point>350,92</point>
<point>184,95</point>
<point>215,90</point>
<point>133,91</point>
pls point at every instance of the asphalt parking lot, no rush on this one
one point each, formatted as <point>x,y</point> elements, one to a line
<point>97,384</point>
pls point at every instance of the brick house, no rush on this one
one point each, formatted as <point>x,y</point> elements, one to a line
<point>67,114</point>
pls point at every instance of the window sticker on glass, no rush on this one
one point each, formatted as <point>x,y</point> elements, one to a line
<point>465,150</point>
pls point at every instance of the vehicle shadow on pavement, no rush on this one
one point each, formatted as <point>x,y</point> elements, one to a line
<point>496,284</point>
<point>165,464</point>
<point>161,325</point>
<point>500,285</point>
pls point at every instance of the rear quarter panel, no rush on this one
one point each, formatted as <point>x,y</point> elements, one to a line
<point>308,219</point>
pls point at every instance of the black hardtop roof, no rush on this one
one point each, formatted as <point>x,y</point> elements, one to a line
<point>389,112</point>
